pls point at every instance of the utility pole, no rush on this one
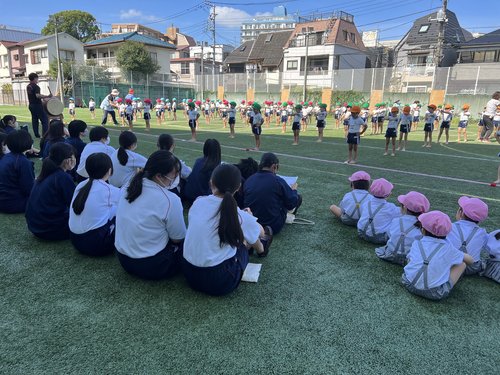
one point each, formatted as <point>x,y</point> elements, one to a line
<point>441,18</point>
<point>304,90</point>
<point>212,28</point>
<point>59,66</point>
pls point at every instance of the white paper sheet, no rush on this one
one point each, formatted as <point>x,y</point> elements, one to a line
<point>252,273</point>
<point>290,180</point>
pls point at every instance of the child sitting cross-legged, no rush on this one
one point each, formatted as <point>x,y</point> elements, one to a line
<point>466,235</point>
<point>349,209</point>
<point>492,266</point>
<point>377,213</point>
<point>434,265</point>
<point>404,230</point>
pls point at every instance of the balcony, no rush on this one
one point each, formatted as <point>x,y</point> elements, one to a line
<point>105,62</point>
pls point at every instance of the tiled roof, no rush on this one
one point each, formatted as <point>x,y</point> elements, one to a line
<point>240,54</point>
<point>133,36</point>
<point>17,36</point>
<point>490,38</point>
<point>268,48</point>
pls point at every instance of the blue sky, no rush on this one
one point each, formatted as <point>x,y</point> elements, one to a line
<point>392,18</point>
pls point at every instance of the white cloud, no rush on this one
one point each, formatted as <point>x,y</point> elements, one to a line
<point>135,15</point>
<point>232,18</point>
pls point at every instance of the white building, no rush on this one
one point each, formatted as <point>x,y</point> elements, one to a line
<point>279,21</point>
<point>221,52</point>
<point>40,53</point>
<point>103,51</point>
<point>332,44</point>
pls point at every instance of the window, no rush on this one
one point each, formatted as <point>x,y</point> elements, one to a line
<point>268,38</point>
<point>184,68</point>
<point>36,56</point>
<point>67,55</point>
<point>336,62</point>
<point>154,57</point>
<point>424,28</point>
<point>489,56</point>
<point>243,48</point>
<point>346,35</point>
<point>292,65</point>
<point>16,57</point>
<point>418,60</point>
<point>44,53</point>
<point>353,37</point>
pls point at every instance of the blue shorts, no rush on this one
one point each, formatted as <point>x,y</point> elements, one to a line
<point>416,118</point>
<point>232,120</point>
<point>353,138</point>
<point>192,124</point>
<point>337,116</point>
<point>284,118</point>
<point>122,114</point>
<point>404,128</point>
<point>72,112</point>
<point>496,123</point>
<point>391,133</point>
<point>428,127</point>
<point>380,119</point>
<point>445,125</point>
<point>207,112</point>
<point>92,109</point>
<point>296,126</point>
<point>257,130</point>
<point>129,117</point>
<point>320,124</point>
<point>224,114</point>
<point>158,113</point>
<point>374,120</point>
<point>147,116</point>
<point>463,124</point>
<point>346,122</point>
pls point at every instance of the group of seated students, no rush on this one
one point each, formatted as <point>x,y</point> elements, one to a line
<point>434,251</point>
<point>133,206</point>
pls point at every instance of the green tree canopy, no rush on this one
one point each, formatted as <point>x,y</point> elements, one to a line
<point>80,25</point>
<point>134,57</point>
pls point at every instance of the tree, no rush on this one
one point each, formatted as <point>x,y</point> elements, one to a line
<point>80,25</point>
<point>134,57</point>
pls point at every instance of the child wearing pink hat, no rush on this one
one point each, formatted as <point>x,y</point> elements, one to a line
<point>404,230</point>
<point>377,213</point>
<point>492,264</point>
<point>466,235</point>
<point>434,265</point>
<point>349,209</point>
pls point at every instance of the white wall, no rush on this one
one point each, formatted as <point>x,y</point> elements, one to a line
<point>4,62</point>
<point>163,56</point>
<point>220,50</point>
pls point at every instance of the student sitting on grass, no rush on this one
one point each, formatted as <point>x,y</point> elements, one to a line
<point>492,264</point>
<point>47,211</point>
<point>99,142</point>
<point>349,209</point>
<point>126,162</point>
<point>215,250</point>
<point>405,229</point>
<point>3,146</point>
<point>269,196</point>
<point>166,142</point>
<point>197,183</point>
<point>77,129</point>
<point>466,235</point>
<point>8,124</point>
<point>17,174</point>
<point>377,213</point>
<point>434,266</point>
<point>150,224</point>
<point>55,134</point>
<point>93,209</point>
<point>247,168</point>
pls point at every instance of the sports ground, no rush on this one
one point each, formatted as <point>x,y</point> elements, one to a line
<point>323,304</point>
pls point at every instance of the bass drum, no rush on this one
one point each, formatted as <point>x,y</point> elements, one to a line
<point>53,106</point>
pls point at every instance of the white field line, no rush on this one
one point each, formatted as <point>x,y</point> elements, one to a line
<point>342,163</point>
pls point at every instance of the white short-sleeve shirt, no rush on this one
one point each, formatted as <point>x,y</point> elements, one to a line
<point>382,220</point>
<point>100,207</point>
<point>355,124</point>
<point>122,174</point>
<point>476,243</point>
<point>412,233</point>
<point>144,227</point>
<point>438,270</point>
<point>493,245</point>
<point>202,247</point>
<point>92,148</point>
<point>348,203</point>
<point>491,107</point>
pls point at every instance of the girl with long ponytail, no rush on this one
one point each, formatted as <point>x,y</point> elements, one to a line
<point>126,162</point>
<point>150,224</point>
<point>47,211</point>
<point>219,236</point>
<point>93,209</point>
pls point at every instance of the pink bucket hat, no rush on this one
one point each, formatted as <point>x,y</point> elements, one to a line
<point>415,202</point>
<point>474,208</point>
<point>381,188</point>
<point>436,222</point>
<point>359,176</point>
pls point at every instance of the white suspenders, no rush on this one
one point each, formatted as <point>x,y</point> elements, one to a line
<point>357,205</point>
<point>427,260</point>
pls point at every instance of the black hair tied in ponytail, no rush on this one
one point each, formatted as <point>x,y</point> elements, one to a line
<point>127,139</point>
<point>58,153</point>
<point>97,166</point>
<point>227,179</point>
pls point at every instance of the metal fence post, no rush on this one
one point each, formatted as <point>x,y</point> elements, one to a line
<point>352,79</point>
<point>93,83</point>
<point>477,79</point>
<point>383,81</point>
<point>447,79</point>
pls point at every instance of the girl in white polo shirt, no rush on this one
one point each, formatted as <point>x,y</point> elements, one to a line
<point>99,142</point>
<point>215,255</point>
<point>150,224</point>
<point>126,162</point>
<point>93,209</point>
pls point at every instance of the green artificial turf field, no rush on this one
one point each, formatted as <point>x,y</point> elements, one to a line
<point>324,303</point>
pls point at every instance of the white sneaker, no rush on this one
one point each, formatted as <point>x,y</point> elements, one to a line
<point>385,154</point>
